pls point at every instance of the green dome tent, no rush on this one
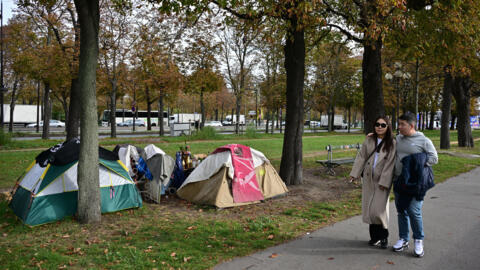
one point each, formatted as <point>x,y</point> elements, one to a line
<point>48,190</point>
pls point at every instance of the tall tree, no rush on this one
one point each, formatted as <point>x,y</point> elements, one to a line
<point>238,56</point>
<point>453,27</point>
<point>294,16</point>
<point>201,82</point>
<point>114,49</point>
<point>371,19</point>
<point>61,19</point>
<point>88,190</point>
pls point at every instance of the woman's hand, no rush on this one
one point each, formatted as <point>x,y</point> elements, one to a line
<point>382,188</point>
<point>351,179</point>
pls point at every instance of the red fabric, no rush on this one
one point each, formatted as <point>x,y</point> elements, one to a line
<point>244,186</point>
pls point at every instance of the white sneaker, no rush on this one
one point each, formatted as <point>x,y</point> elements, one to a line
<point>400,245</point>
<point>418,248</point>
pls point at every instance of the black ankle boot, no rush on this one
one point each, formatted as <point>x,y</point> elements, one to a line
<point>384,243</point>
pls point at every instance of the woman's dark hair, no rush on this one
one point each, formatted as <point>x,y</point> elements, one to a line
<point>388,138</point>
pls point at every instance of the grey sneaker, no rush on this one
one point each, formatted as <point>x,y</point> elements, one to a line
<point>400,245</point>
<point>418,251</point>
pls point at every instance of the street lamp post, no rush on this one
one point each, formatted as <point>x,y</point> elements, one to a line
<point>395,78</point>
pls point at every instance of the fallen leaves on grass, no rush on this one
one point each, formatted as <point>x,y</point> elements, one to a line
<point>270,237</point>
<point>73,250</point>
<point>186,259</point>
<point>191,228</point>
<point>173,254</point>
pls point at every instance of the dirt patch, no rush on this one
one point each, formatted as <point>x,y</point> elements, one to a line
<point>316,187</point>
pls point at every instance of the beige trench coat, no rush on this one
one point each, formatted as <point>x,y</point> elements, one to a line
<point>375,202</point>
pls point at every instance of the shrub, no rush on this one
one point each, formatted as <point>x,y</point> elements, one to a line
<point>251,132</point>
<point>207,133</point>
<point>5,138</point>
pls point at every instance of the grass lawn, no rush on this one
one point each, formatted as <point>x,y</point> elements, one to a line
<point>182,236</point>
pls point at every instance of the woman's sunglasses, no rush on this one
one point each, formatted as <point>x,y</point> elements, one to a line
<point>383,125</point>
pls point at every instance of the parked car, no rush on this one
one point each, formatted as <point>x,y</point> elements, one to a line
<point>129,123</point>
<point>227,123</point>
<point>213,124</point>
<point>53,123</point>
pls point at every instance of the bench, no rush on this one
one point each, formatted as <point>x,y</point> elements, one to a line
<point>330,163</point>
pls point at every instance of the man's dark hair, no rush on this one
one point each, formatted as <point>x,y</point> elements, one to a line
<point>409,118</point>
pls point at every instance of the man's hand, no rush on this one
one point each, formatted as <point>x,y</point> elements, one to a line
<point>382,187</point>
<point>351,179</point>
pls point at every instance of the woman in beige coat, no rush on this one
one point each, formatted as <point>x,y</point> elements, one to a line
<point>374,163</point>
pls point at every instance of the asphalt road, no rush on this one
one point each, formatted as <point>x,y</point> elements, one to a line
<point>126,132</point>
<point>452,238</point>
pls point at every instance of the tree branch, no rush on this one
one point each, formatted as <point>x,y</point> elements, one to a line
<point>338,13</point>
<point>240,15</point>
<point>348,34</point>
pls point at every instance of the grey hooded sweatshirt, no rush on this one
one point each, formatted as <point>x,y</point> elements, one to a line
<point>416,143</point>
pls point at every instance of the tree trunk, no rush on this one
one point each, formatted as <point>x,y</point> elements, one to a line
<point>202,110</point>
<point>38,107</point>
<point>417,84</point>
<point>331,119</point>
<point>12,104</point>
<point>73,120</point>
<point>216,114</point>
<point>47,112</point>
<point>461,92</point>
<point>64,102</point>
<point>113,112</point>
<point>432,119</point>
<point>88,189</point>
<point>238,105</point>
<point>454,118</point>
<point>268,122</point>
<point>221,116</point>
<point>149,119</point>
<point>281,120</point>
<point>291,163</point>
<point>161,131</point>
<point>349,118</point>
<point>446,109</point>
<point>424,120</point>
<point>372,83</point>
<point>149,109</point>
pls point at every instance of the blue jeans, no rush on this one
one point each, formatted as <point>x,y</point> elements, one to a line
<point>411,216</point>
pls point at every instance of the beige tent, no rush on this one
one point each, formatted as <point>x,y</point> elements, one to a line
<point>211,182</point>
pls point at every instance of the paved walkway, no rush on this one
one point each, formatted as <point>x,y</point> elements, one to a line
<point>452,238</point>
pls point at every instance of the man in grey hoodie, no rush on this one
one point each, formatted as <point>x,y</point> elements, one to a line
<point>409,142</point>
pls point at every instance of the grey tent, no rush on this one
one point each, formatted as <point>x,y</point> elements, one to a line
<point>161,167</point>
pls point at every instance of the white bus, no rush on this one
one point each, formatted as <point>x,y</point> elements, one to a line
<point>124,115</point>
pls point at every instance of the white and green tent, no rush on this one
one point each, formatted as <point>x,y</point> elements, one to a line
<point>48,189</point>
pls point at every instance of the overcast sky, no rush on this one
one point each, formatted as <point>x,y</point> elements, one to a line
<point>8,6</point>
